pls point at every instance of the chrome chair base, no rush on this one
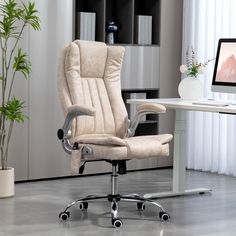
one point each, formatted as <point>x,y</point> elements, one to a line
<point>114,198</point>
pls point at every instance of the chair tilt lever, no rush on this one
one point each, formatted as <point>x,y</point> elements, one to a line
<point>122,170</point>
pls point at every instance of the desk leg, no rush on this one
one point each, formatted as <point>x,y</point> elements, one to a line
<point>179,162</point>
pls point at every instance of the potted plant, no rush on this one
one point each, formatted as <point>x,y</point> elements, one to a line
<point>191,87</point>
<point>14,17</point>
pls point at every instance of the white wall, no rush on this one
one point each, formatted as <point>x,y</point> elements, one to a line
<point>18,148</point>
<point>46,157</point>
<point>35,151</point>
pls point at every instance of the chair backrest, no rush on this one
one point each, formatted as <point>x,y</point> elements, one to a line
<point>89,75</point>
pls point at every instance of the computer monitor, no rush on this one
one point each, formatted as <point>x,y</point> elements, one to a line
<point>224,76</point>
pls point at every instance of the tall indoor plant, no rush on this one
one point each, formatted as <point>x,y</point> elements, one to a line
<point>14,18</point>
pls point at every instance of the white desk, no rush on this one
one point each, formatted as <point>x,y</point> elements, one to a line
<point>179,158</point>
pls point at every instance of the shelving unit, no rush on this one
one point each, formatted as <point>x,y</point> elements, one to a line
<point>148,68</point>
<point>123,13</point>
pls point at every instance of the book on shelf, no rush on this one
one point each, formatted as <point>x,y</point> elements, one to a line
<point>86,25</point>
<point>143,29</point>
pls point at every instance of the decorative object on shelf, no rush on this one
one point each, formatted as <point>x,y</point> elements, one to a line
<point>86,22</point>
<point>14,19</point>
<point>143,29</point>
<point>111,28</point>
<point>191,87</point>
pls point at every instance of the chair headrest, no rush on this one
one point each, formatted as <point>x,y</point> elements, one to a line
<point>88,58</point>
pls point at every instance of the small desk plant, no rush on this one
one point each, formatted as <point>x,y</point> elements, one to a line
<point>14,18</point>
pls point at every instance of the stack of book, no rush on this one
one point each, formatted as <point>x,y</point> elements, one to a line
<point>143,29</point>
<point>86,25</point>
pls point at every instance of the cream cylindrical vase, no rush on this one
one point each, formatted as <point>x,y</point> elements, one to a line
<point>7,185</point>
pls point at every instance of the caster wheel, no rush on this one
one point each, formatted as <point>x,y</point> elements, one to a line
<point>141,206</point>
<point>164,216</point>
<point>64,215</point>
<point>117,222</point>
<point>83,206</point>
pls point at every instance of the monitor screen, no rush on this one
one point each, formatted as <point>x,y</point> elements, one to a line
<point>224,77</point>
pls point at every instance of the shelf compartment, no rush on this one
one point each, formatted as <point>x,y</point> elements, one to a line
<point>98,7</point>
<point>149,8</point>
<point>121,12</point>
<point>124,13</point>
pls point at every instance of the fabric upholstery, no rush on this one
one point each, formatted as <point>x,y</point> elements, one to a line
<point>148,146</point>
<point>99,139</point>
<point>90,111</point>
<point>149,107</point>
<point>139,147</point>
<point>89,77</point>
<point>92,73</point>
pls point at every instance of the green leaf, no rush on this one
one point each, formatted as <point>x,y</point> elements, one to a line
<point>21,63</point>
<point>29,15</point>
<point>13,110</point>
<point>10,12</point>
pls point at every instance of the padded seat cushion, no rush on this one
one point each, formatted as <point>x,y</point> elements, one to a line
<point>138,147</point>
<point>99,139</point>
<point>148,146</point>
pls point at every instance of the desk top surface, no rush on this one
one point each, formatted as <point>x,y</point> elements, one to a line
<point>178,103</point>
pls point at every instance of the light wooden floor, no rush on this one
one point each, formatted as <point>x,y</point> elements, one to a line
<point>34,210</point>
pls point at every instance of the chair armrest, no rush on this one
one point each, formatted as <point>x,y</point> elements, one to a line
<point>151,108</point>
<point>74,111</point>
<point>144,109</point>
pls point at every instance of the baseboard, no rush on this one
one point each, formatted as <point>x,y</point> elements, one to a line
<point>88,175</point>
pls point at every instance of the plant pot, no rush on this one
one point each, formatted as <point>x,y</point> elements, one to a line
<point>190,88</point>
<point>7,185</point>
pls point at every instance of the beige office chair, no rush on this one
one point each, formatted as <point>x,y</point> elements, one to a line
<point>96,126</point>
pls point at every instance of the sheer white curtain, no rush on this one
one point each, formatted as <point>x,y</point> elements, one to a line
<point>211,138</point>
